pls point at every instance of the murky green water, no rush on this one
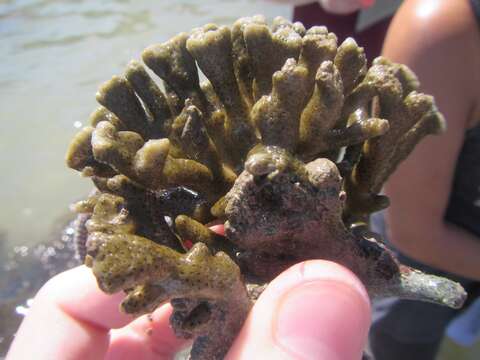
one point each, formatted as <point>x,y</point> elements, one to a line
<point>54,54</point>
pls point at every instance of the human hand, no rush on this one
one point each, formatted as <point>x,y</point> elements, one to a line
<point>314,310</point>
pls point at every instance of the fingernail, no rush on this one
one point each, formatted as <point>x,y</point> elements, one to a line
<point>322,320</point>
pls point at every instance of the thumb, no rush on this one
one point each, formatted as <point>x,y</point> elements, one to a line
<point>314,310</point>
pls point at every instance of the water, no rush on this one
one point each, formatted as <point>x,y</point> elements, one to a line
<point>54,55</point>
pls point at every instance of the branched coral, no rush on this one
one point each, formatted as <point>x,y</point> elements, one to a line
<point>288,143</point>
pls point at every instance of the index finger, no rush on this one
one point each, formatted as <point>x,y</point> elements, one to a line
<point>71,318</point>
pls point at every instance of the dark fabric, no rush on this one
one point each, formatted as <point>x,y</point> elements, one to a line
<point>464,205</point>
<point>476,9</point>
<point>344,26</point>
<point>385,346</point>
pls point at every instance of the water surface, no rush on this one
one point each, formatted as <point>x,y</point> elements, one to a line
<point>54,56</point>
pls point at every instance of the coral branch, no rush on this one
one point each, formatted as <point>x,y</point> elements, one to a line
<point>287,143</point>
<point>152,97</point>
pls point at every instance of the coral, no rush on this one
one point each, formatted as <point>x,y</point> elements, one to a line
<point>287,143</point>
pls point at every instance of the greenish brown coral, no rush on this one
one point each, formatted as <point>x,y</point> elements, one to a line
<point>287,143</point>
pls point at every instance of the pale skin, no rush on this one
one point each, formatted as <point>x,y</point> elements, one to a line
<point>440,41</point>
<point>315,307</point>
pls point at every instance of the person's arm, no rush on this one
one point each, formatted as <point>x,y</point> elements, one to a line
<point>439,40</point>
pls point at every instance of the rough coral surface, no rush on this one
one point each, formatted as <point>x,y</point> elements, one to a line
<point>287,143</point>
